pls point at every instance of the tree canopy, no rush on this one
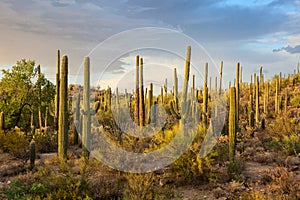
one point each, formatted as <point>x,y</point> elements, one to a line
<point>19,93</point>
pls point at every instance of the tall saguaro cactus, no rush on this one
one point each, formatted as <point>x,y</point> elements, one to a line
<point>184,103</point>
<point>56,112</point>
<point>232,124</point>
<point>276,94</point>
<point>39,97</point>
<point>237,86</point>
<point>150,103</point>
<point>205,96</point>
<point>257,100</point>
<point>63,110</point>
<point>175,90</point>
<point>137,85</point>
<point>221,75</point>
<point>86,123</point>
<point>141,93</point>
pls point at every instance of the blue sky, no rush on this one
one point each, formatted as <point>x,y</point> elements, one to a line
<point>256,33</point>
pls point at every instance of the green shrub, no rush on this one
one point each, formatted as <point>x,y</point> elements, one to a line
<point>16,143</point>
<point>296,101</point>
<point>15,191</point>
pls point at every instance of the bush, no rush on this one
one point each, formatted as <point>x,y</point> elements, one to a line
<point>296,101</point>
<point>16,143</point>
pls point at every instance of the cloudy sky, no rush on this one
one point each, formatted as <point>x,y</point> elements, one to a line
<point>255,32</point>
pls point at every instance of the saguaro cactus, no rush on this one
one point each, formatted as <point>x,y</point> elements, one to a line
<point>141,93</point>
<point>150,103</point>
<point>232,124</point>
<point>86,123</point>
<point>39,96</point>
<point>184,103</point>
<point>221,75</point>
<point>56,112</point>
<point>137,85</point>
<point>237,86</point>
<point>32,154</point>
<point>205,92</point>
<point>77,120</point>
<point>257,99</point>
<point>2,122</point>
<point>175,90</point>
<point>276,94</point>
<point>63,110</point>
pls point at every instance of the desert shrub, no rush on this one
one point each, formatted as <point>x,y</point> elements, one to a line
<point>45,142</point>
<point>291,144</point>
<point>15,191</point>
<point>296,101</point>
<point>283,185</point>
<point>15,142</point>
<point>254,195</point>
<point>145,186</point>
<point>235,169</point>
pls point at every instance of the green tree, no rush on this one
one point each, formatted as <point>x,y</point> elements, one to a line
<point>18,93</point>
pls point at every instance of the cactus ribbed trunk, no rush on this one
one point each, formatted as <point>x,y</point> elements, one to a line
<point>2,122</point>
<point>205,90</point>
<point>237,86</point>
<point>63,111</point>
<point>137,96</point>
<point>32,154</point>
<point>56,112</point>
<point>185,105</point>
<point>77,120</point>
<point>86,123</point>
<point>175,89</point>
<point>251,119</point>
<point>216,84</point>
<point>232,124</point>
<point>142,103</point>
<point>166,90</point>
<point>257,100</point>
<point>221,76</point>
<point>150,103</point>
<point>186,74</point>
<point>39,97</point>
<point>46,117</point>
<point>162,95</point>
<point>276,94</point>
<point>254,89</point>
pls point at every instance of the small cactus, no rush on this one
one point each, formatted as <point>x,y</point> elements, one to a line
<point>263,124</point>
<point>2,122</point>
<point>32,154</point>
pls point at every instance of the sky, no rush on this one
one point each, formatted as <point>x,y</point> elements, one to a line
<point>254,32</point>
